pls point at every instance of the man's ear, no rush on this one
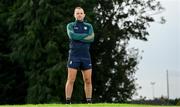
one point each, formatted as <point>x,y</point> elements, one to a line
<point>84,16</point>
<point>75,17</point>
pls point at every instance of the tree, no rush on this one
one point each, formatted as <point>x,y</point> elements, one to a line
<point>12,79</point>
<point>39,43</point>
<point>116,22</point>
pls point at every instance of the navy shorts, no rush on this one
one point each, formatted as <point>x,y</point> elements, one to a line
<point>79,63</point>
<point>79,59</point>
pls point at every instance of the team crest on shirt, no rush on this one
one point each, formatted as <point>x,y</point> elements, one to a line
<point>85,27</point>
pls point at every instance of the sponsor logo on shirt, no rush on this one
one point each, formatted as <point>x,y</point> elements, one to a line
<point>75,27</point>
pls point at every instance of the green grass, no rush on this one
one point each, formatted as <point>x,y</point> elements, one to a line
<point>84,105</point>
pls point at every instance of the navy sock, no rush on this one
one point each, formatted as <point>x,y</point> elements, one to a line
<point>68,100</point>
<point>89,100</point>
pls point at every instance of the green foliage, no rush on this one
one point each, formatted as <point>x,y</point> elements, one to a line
<point>34,37</point>
<point>12,78</point>
<point>39,43</point>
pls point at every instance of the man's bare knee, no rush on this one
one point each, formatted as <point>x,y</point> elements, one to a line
<point>87,81</point>
<point>71,81</point>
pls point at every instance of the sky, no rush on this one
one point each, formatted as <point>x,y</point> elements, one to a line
<point>161,54</point>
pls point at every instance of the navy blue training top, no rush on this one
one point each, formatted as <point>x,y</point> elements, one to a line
<point>79,48</point>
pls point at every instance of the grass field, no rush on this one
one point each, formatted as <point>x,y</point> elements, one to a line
<point>84,105</point>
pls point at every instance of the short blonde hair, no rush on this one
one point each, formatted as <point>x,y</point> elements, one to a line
<point>78,8</point>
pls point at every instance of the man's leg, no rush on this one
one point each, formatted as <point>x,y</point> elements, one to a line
<point>87,84</point>
<point>70,83</point>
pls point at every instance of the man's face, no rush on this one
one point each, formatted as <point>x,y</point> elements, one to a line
<point>79,14</point>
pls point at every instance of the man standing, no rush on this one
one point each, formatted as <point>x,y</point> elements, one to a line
<point>81,34</point>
